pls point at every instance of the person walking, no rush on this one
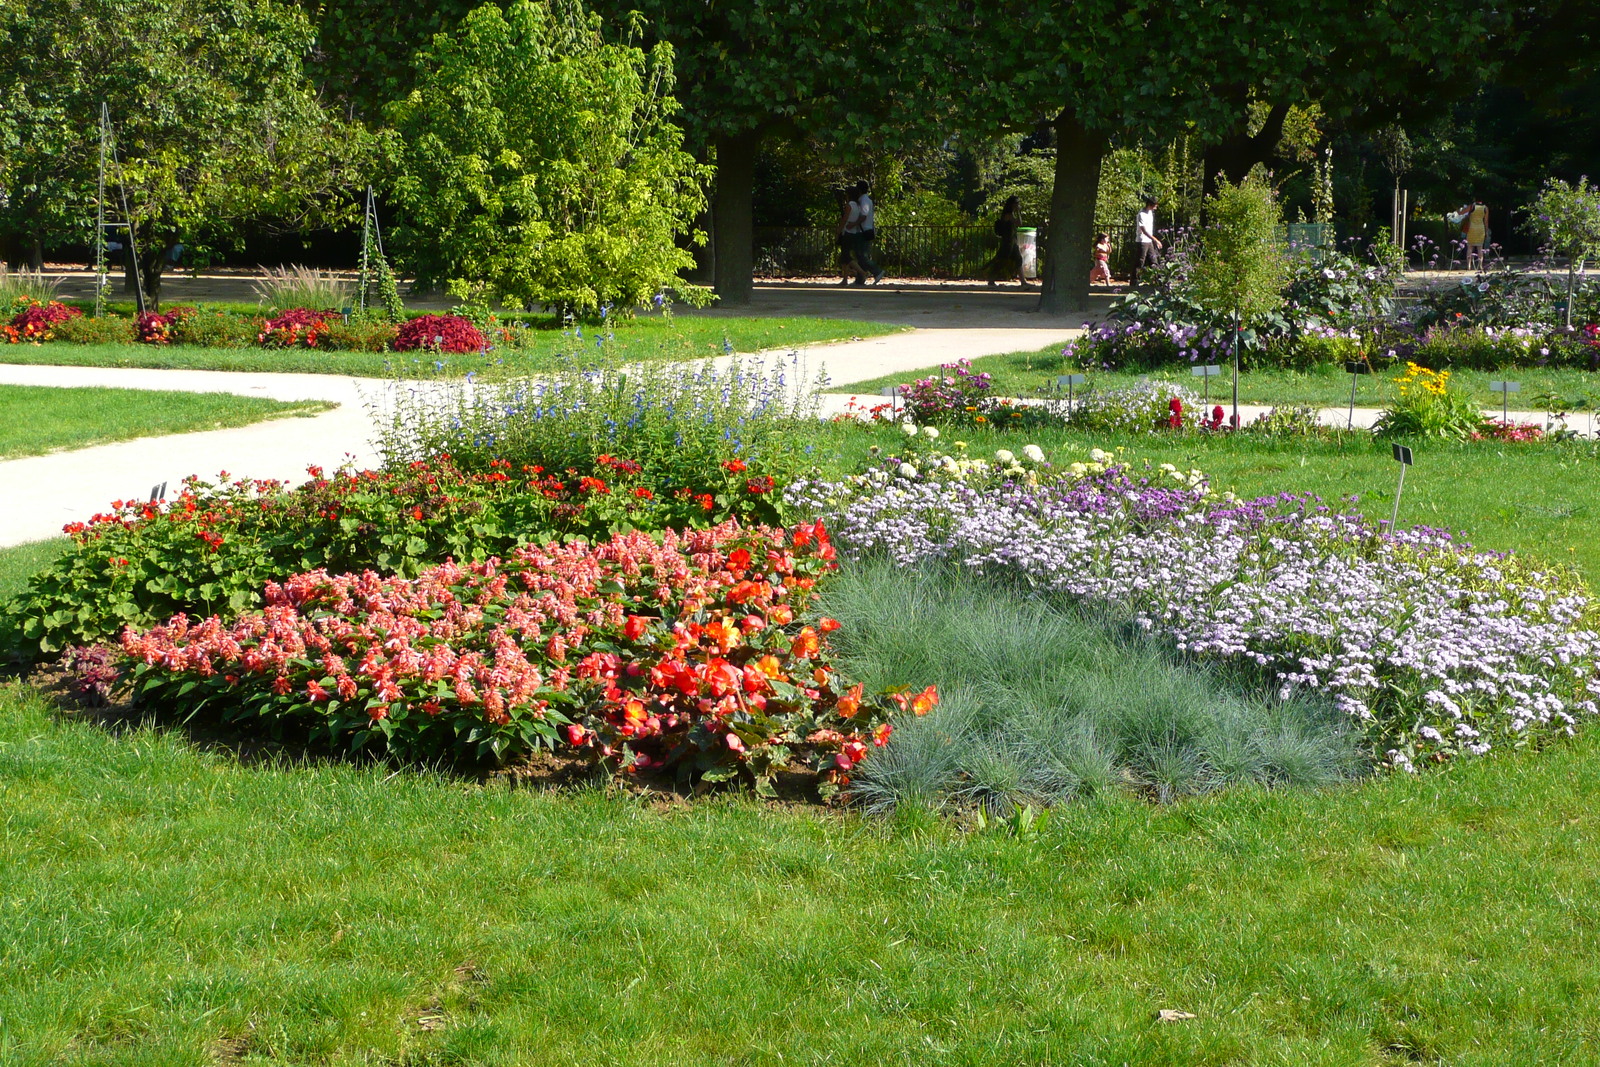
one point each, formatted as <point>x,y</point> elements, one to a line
<point>1007,261</point>
<point>1149,245</point>
<point>1475,229</point>
<point>1101,272</point>
<point>846,238</point>
<point>866,230</point>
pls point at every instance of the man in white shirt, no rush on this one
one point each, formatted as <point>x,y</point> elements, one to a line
<point>866,228</point>
<point>1149,245</point>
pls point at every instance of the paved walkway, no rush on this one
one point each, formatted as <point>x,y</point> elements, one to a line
<point>43,493</point>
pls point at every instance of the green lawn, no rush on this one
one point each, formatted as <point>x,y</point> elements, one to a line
<point>647,337</point>
<point>1020,373</point>
<point>35,419</point>
<point>164,905</point>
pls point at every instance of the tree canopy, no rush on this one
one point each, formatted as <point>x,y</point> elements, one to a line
<point>215,121</point>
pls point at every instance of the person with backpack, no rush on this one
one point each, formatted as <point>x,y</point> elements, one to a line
<point>1007,261</point>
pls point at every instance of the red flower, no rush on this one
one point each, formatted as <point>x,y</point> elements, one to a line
<point>1175,406</point>
<point>880,736</point>
<point>644,494</point>
<point>635,627</point>
<point>734,466</point>
<point>827,625</point>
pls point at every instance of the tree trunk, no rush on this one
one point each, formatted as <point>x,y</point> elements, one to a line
<point>1235,154</point>
<point>732,232</point>
<point>151,260</point>
<point>36,255</point>
<point>1069,236</point>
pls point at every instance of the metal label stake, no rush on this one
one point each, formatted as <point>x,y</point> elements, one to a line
<point>1505,389</point>
<point>893,393</point>
<point>1069,380</point>
<point>1402,456</point>
<point>1355,368</point>
<point>1205,374</point>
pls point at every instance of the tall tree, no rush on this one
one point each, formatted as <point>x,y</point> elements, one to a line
<point>216,124</point>
<point>1158,69</point>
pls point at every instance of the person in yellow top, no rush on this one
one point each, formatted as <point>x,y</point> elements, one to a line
<point>1475,229</point>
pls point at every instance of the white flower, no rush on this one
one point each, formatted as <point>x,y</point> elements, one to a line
<point>907,471</point>
<point>1100,456</point>
<point>1005,456</point>
<point>1077,470</point>
<point>931,432</point>
<point>909,429</point>
<point>1034,452</point>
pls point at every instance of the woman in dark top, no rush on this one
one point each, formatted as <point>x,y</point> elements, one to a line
<point>1007,261</point>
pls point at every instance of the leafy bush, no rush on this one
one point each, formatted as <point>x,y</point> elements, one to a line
<point>296,328</point>
<point>95,330</point>
<point>690,654</point>
<point>438,333</point>
<point>1429,406</point>
<point>38,322</point>
<point>1243,266</point>
<point>215,329</point>
<point>715,443</point>
<point>1042,704</point>
<point>1568,216</point>
<point>538,163</point>
<point>303,287</point>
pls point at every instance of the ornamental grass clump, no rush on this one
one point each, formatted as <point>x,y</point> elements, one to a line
<point>696,653</point>
<point>1042,703</point>
<point>1436,650</point>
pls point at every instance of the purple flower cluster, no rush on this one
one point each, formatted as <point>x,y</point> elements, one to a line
<point>1436,649</point>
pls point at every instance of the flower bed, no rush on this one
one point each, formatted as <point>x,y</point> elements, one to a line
<point>214,546</point>
<point>1436,649</point>
<point>691,653</point>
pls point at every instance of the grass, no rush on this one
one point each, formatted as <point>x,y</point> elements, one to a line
<point>21,562</point>
<point>1042,704</point>
<point>1537,499</point>
<point>1020,373</point>
<point>169,905</point>
<point>644,338</point>
<point>35,419</point>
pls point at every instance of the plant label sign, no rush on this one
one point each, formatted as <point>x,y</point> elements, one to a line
<point>1205,374</point>
<point>1357,366</point>
<point>1402,456</point>
<point>1505,389</point>
<point>1069,380</point>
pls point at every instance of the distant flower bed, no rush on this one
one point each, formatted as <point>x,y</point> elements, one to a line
<point>37,322</point>
<point>1436,649</point>
<point>694,652</point>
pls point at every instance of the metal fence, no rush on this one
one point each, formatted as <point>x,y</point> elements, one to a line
<point>906,251</point>
<point>902,251</point>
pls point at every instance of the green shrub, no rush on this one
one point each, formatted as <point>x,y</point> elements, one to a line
<point>1042,704</point>
<point>96,330</point>
<point>357,335</point>
<point>215,329</point>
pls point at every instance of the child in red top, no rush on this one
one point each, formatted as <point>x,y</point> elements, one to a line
<point>1101,274</point>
